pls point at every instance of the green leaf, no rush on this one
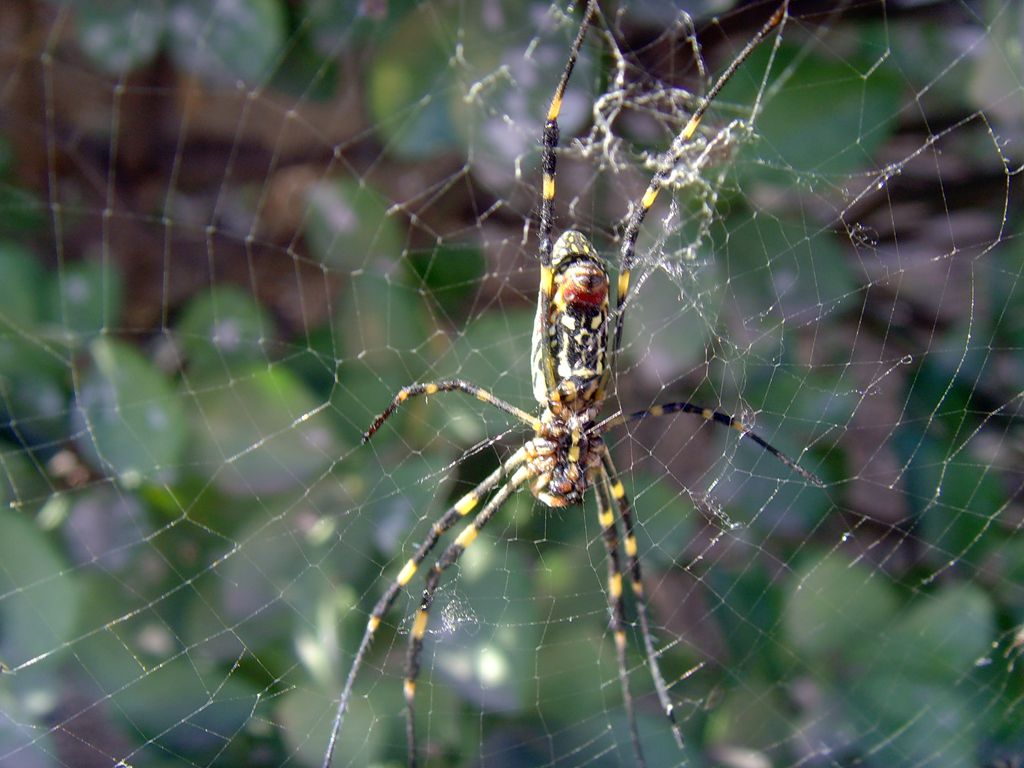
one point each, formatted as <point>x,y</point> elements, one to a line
<point>570,664</point>
<point>669,319</point>
<point>664,519</point>
<point>267,590</point>
<point>335,24</point>
<point>406,87</point>
<point>381,314</point>
<point>1003,275</point>
<point>834,605</point>
<point>103,526</point>
<point>120,35</point>
<point>33,372</point>
<point>863,101</point>
<point>305,73</point>
<point>485,628</point>
<point>492,351</point>
<point>405,490</point>
<point>965,504</point>
<point>957,504</point>
<point>23,483</point>
<point>754,612</point>
<point>188,705</point>
<point>802,274</point>
<point>6,158</point>
<point>23,211</point>
<point>903,721</point>
<point>943,636</point>
<point>995,72</point>
<point>1009,574</point>
<point>129,421</point>
<point>388,322</point>
<point>39,608</point>
<point>224,40</point>
<point>349,226</point>
<point>33,387</point>
<point>223,329</point>
<point>19,289</point>
<point>452,274</point>
<point>84,299</point>
<point>305,717</point>
<point>260,433</point>
<point>317,363</point>
<point>750,717</point>
<point>510,59</point>
<point>120,628</point>
<point>600,738</point>
<point>564,574</point>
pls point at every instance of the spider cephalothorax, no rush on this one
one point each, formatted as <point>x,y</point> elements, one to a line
<point>562,458</point>
<point>571,364</point>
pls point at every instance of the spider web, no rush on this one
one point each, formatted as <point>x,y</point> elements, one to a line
<point>231,231</point>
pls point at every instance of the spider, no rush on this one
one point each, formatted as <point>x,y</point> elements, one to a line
<point>571,368</point>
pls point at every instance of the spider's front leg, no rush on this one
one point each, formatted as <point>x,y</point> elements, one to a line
<point>613,489</point>
<point>448,558</point>
<point>610,535</point>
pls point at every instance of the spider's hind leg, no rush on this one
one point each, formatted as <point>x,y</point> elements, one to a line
<point>456,512</point>
<point>610,535</point>
<point>447,559</point>
<point>613,488</point>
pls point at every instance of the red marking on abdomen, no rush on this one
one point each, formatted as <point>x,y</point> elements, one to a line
<point>590,298</point>
<point>585,284</point>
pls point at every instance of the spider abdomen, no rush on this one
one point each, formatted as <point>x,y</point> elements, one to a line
<point>577,325</point>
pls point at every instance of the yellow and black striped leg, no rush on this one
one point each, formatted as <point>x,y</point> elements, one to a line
<point>610,480</point>
<point>610,534</point>
<point>458,511</point>
<point>449,385</point>
<point>547,198</point>
<point>550,141</point>
<point>668,164</point>
<point>716,417</point>
<point>448,558</point>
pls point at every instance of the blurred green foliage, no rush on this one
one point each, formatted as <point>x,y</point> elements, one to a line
<point>191,536</point>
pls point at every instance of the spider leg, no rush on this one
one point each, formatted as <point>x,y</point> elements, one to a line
<point>550,143</point>
<point>613,486</point>
<point>447,559</point>
<point>449,385</point>
<point>714,416</point>
<point>610,534</point>
<point>548,161</point>
<point>458,511</point>
<point>668,164</point>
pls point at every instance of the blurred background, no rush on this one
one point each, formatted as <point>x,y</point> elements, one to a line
<point>229,232</point>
